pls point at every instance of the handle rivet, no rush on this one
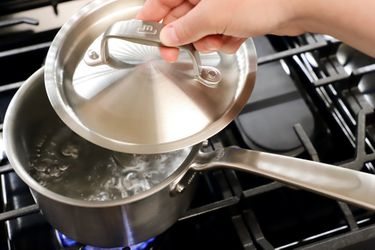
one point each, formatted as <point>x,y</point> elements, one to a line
<point>211,74</point>
<point>180,188</point>
<point>93,55</point>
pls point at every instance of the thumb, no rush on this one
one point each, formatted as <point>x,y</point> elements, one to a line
<point>189,28</point>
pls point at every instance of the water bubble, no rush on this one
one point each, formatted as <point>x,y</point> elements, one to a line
<point>101,196</point>
<point>55,172</point>
<point>47,161</point>
<point>40,167</point>
<point>147,175</point>
<point>63,167</point>
<point>130,176</point>
<point>43,183</point>
<point>60,164</point>
<point>50,153</point>
<point>70,151</point>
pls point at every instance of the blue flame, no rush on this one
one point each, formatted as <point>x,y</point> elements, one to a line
<point>143,245</point>
<point>67,242</point>
<point>99,248</point>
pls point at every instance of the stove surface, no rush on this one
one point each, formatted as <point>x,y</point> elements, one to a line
<point>313,99</point>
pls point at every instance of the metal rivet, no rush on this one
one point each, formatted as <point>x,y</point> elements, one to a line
<point>93,55</point>
<point>180,188</point>
<point>212,75</point>
<point>205,143</point>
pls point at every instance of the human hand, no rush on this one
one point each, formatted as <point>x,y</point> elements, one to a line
<point>213,25</point>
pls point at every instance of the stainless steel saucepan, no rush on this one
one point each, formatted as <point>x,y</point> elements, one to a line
<point>134,219</point>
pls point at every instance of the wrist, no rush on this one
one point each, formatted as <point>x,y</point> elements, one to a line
<point>295,18</point>
<point>306,14</point>
<point>312,16</point>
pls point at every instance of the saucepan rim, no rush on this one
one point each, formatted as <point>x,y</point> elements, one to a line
<point>10,147</point>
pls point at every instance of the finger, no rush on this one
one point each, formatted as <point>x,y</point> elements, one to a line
<point>209,43</point>
<point>178,12</point>
<point>231,44</point>
<point>169,54</point>
<point>155,10</point>
<point>190,27</point>
<point>227,44</point>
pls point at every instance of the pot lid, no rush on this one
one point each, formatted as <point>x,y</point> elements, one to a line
<point>105,79</point>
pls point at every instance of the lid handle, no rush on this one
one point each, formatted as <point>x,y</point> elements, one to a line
<point>147,33</point>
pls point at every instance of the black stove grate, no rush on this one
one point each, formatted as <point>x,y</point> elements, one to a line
<point>13,6</point>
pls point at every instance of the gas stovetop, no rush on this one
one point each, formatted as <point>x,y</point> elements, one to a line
<point>314,99</point>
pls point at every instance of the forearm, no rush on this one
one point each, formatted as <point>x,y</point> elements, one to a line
<point>351,21</point>
<point>224,24</point>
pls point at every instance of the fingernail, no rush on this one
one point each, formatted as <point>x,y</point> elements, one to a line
<point>168,36</point>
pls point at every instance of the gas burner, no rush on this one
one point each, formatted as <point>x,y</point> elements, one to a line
<point>12,6</point>
<point>66,242</point>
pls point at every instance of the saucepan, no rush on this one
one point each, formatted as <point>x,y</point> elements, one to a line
<point>107,113</point>
<point>130,220</point>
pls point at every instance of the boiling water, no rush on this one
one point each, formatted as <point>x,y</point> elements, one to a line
<point>67,164</point>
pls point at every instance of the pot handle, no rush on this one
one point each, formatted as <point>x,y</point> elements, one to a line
<point>336,182</point>
<point>147,33</point>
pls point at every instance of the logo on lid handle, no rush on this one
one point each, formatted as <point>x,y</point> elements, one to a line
<point>147,29</point>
